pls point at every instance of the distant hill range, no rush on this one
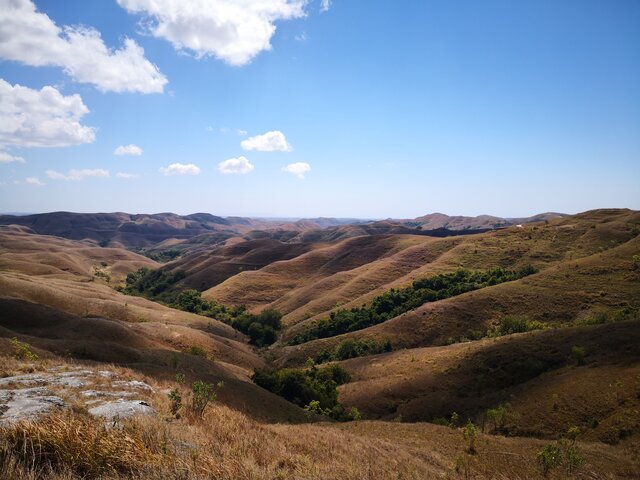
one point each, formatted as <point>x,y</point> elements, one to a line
<point>188,232</point>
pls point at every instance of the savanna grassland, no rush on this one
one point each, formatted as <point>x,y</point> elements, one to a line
<point>436,347</point>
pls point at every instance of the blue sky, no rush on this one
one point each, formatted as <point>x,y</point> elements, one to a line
<point>380,109</point>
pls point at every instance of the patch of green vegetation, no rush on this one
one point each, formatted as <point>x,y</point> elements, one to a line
<point>162,256</point>
<point>262,328</point>
<point>514,324</point>
<point>562,453</point>
<point>198,351</point>
<point>352,348</point>
<point>398,301</point>
<point>159,285</point>
<point>578,354</point>
<point>22,350</point>
<point>602,316</point>
<point>499,417</point>
<point>152,284</point>
<point>314,389</point>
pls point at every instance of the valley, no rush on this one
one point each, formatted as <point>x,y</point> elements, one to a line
<point>525,329</point>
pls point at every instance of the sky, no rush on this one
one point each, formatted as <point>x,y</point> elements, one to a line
<point>342,108</point>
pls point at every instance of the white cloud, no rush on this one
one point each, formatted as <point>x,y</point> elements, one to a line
<point>32,38</point>
<point>128,150</point>
<point>8,158</point>
<point>126,176</point>
<point>234,31</point>
<point>298,169</point>
<point>301,37</point>
<point>77,175</point>
<point>41,118</point>
<point>325,5</point>
<point>235,165</point>
<point>180,169</point>
<point>34,181</point>
<point>241,132</point>
<point>273,141</point>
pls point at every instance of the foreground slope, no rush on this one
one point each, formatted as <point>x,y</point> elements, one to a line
<point>56,295</point>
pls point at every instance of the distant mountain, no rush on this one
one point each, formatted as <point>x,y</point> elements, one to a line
<point>188,233</point>
<point>146,230</point>
<point>434,221</point>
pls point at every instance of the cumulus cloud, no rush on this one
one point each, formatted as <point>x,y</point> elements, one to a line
<point>231,30</point>
<point>34,181</point>
<point>126,176</point>
<point>128,150</point>
<point>8,158</point>
<point>325,5</point>
<point>77,175</point>
<point>32,38</point>
<point>235,165</point>
<point>298,169</point>
<point>273,141</point>
<point>41,118</point>
<point>180,169</point>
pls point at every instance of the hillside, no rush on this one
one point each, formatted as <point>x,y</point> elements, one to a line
<point>56,295</point>
<point>525,358</point>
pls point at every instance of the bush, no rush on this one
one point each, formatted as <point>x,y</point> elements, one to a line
<point>201,395</point>
<point>314,389</point>
<point>499,416</point>
<point>563,452</point>
<point>510,324</point>
<point>470,432</point>
<point>352,348</point>
<point>578,354</point>
<point>22,350</point>
<point>549,458</point>
<point>198,351</point>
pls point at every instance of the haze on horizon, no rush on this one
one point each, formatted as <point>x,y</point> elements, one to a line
<point>319,108</point>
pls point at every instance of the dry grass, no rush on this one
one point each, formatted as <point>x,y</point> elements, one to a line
<point>225,444</point>
<point>73,443</point>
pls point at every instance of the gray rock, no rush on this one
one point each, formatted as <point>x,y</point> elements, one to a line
<point>133,384</point>
<point>26,404</point>
<point>122,409</point>
<point>103,394</point>
<point>73,379</point>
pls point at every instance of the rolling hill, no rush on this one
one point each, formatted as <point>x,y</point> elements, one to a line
<point>573,359</point>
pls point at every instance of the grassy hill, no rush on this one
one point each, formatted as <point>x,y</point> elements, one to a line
<point>525,360</point>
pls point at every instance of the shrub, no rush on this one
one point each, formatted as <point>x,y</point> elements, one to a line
<point>175,397</point>
<point>470,432</point>
<point>354,414</point>
<point>514,324</point>
<point>22,350</point>
<point>578,354</point>
<point>549,457</point>
<point>198,351</point>
<point>176,402</point>
<point>352,348</point>
<point>499,416</point>
<point>201,395</point>
<point>563,452</point>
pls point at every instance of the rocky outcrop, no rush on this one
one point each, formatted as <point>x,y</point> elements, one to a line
<point>25,397</point>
